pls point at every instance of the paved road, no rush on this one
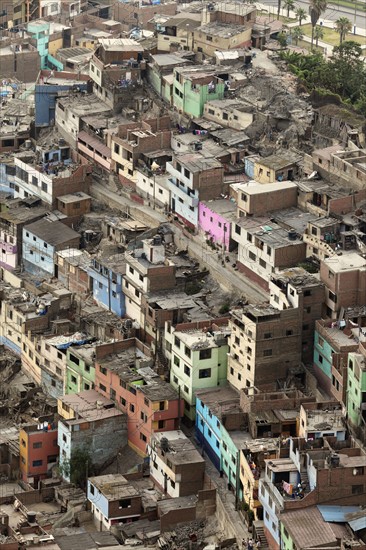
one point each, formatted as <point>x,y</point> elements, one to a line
<point>332,13</point>
<point>229,278</point>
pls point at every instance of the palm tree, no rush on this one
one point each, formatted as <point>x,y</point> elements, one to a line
<point>300,14</point>
<point>289,5</point>
<point>297,35</point>
<point>316,8</point>
<point>318,34</point>
<point>278,8</point>
<point>343,26</point>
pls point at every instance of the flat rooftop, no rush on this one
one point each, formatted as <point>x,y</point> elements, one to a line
<point>280,160</point>
<point>345,262</point>
<point>114,486</point>
<point>224,207</point>
<point>53,233</point>
<point>268,232</point>
<point>181,449</point>
<point>221,30</point>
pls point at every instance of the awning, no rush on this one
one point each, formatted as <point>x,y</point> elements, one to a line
<point>336,514</point>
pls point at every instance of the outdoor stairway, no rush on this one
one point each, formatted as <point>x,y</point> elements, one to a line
<point>259,529</point>
<point>304,478</point>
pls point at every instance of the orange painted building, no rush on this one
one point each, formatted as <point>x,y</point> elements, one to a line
<point>151,404</point>
<point>38,452</point>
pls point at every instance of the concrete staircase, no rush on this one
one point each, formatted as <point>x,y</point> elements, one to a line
<point>259,531</point>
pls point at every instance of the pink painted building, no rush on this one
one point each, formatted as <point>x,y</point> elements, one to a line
<point>215,218</point>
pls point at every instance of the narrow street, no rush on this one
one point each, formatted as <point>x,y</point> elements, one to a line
<point>196,246</point>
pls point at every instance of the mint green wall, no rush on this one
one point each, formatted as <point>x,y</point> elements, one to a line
<point>84,378</point>
<point>217,363</point>
<point>286,540</point>
<point>52,61</point>
<point>192,101</point>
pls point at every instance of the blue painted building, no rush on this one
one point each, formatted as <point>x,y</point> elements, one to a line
<point>48,87</point>
<point>216,421</point>
<point>208,428</point>
<point>107,276</point>
<point>41,240</point>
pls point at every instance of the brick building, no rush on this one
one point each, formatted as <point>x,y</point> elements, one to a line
<point>257,355</point>
<point>122,373</point>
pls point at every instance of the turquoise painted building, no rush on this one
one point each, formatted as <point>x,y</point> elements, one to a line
<point>193,87</point>
<point>356,390</point>
<point>40,32</point>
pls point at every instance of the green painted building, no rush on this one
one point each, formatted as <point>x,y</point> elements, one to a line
<point>80,369</point>
<point>193,87</point>
<point>286,540</point>
<point>356,389</point>
<point>198,359</point>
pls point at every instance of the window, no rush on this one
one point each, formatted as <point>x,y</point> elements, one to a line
<point>73,379</point>
<point>38,463</point>
<point>103,370</point>
<point>237,229</point>
<point>161,405</point>
<point>161,424</point>
<point>172,483</point>
<point>262,263</point>
<point>132,407</point>
<point>185,389</point>
<point>37,445</point>
<point>320,358</point>
<point>177,342</point>
<point>175,380</point>
<point>289,332</point>
<point>332,297</point>
<point>123,401</point>
<point>176,360</point>
<point>267,335</point>
<point>252,256</point>
<point>102,387</point>
<point>187,351</point>
<point>112,393</point>
<point>267,353</point>
<point>204,373</point>
<point>205,354</point>
<point>44,187</point>
<point>143,437</point>
<point>187,370</point>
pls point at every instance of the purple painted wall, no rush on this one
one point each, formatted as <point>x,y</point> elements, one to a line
<point>216,225</point>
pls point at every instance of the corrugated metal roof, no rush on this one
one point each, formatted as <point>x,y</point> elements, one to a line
<point>358,524</point>
<point>336,514</point>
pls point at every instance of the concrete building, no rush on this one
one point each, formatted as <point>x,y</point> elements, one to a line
<point>147,270</point>
<point>49,174</point>
<point>123,373</point>
<point>296,288</point>
<point>256,354</point>
<point>343,166</point>
<point>198,358</point>
<point>322,237</point>
<point>41,241</point>
<point>215,219</point>
<point>12,221</point>
<point>94,149</point>
<point>230,113</point>
<point>214,407</point>
<point>255,199</point>
<point>154,188</point>
<point>332,343</point>
<point>345,282</point>
<point>160,72</point>
<point>71,267</point>
<point>175,464</point>
<point>116,69</point>
<point>70,110</point>
<point>19,60</point>
<point>113,500</point>
<point>80,368</point>
<point>310,477</point>
<point>38,451</point>
<point>194,86</point>
<point>49,85</point>
<point>264,247</point>
<point>39,32</point>
<point>148,141</point>
<point>282,166</point>
<point>322,420</point>
<point>89,421</point>
<point>193,178</point>
<point>356,389</point>
<point>106,276</point>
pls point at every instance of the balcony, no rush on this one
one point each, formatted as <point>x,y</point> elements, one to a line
<point>174,188</point>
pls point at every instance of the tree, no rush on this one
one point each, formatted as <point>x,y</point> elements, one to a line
<point>300,14</point>
<point>289,5</point>
<point>297,35</point>
<point>78,468</point>
<point>282,39</point>
<point>343,26</point>
<point>316,8</point>
<point>278,8</point>
<point>318,34</point>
